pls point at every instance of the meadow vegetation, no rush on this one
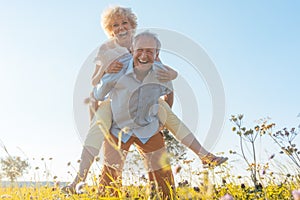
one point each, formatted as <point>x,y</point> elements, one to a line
<point>263,179</point>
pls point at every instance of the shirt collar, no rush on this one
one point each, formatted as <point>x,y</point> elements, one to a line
<point>130,67</point>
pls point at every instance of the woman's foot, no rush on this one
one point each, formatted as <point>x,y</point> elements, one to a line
<point>68,189</point>
<point>210,160</point>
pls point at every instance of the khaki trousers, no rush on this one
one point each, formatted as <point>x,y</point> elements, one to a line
<point>155,158</point>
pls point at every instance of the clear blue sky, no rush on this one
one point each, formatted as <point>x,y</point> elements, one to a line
<point>255,46</point>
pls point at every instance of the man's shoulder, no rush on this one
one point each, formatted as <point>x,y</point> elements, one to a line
<point>158,65</point>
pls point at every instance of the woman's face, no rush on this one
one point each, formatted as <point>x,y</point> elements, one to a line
<point>122,31</point>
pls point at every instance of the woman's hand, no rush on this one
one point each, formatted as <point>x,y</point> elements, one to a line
<point>166,75</point>
<point>114,67</point>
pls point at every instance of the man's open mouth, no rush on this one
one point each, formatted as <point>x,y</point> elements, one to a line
<point>142,61</point>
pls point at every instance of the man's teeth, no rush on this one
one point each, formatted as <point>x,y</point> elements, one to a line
<point>143,61</point>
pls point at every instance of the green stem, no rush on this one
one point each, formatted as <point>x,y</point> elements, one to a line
<point>242,149</point>
<point>254,157</point>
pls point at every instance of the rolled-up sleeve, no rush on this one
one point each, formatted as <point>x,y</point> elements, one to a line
<point>108,81</point>
<point>168,88</point>
<point>102,89</point>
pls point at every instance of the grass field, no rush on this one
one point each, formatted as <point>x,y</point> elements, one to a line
<point>271,192</point>
<point>272,188</point>
<point>265,180</point>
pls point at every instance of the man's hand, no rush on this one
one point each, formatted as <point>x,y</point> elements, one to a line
<point>166,75</point>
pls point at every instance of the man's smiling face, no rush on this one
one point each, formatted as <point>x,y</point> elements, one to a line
<point>144,53</point>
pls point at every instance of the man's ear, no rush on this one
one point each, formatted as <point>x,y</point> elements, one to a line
<point>157,54</point>
<point>131,49</point>
<point>157,57</point>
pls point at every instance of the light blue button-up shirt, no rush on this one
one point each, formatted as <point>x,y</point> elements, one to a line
<point>134,103</point>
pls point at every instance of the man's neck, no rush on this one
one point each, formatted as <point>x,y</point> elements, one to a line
<point>141,74</point>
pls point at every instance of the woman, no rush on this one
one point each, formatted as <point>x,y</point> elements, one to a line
<point>120,25</point>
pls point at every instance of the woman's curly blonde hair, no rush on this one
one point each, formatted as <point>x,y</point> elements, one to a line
<point>112,13</point>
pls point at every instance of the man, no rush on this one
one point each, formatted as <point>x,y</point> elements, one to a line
<point>113,57</point>
<point>134,102</point>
